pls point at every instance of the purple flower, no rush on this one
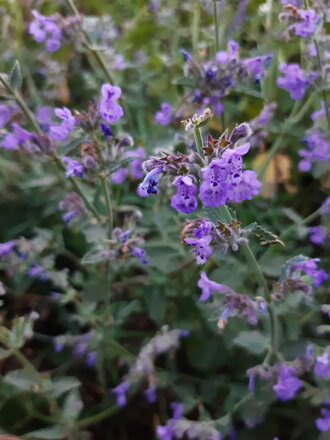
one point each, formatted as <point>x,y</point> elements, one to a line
<point>35,270</point>
<point>203,229</point>
<point>213,190</point>
<point>44,115</point>
<point>106,130</point>
<point>184,200</point>
<point>323,422</point>
<point>291,2</point>
<point>244,187</point>
<point>202,249</point>
<point>150,394</point>
<point>287,384</point>
<point>110,110</point>
<point>6,113</point>
<point>119,176</point>
<point>317,150</point>
<point>258,65</point>
<point>135,165</point>
<point>317,234</point>
<point>140,254</point>
<point>163,116</point>
<point>120,392</point>
<point>325,207</point>
<point>123,237</point>
<point>14,140</point>
<point>322,365</point>
<point>58,345</point>
<point>309,266</point>
<point>61,131</point>
<point>6,248</point>
<point>91,358</point>
<point>307,24</point>
<point>151,180</point>
<point>73,206</point>
<point>45,29</point>
<point>74,168</point>
<point>294,80</point>
<point>208,287</point>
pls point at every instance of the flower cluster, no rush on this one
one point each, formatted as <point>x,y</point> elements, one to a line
<point>204,236</point>
<point>144,366</point>
<point>215,78</point>
<point>73,206</point>
<point>294,80</point>
<point>302,22</point>
<point>178,427</point>
<point>164,115</point>
<point>230,303</point>
<point>46,29</point>
<point>219,169</point>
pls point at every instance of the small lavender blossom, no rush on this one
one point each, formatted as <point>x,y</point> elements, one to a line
<point>37,271</point>
<point>202,249</point>
<point>208,287</point>
<point>150,181</point>
<point>61,131</point>
<point>258,65</point>
<point>110,110</point>
<point>73,206</point>
<point>7,111</point>
<point>309,266</point>
<point>106,130</point>
<point>294,80</point>
<point>184,200</point>
<point>307,22</point>
<point>119,176</point>
<point>17,138</point>
<point>74,168</point>
<point>322,365</point>
<point>317,150</point>
<point>45,29</point>
<point>150,394</point>
<point>323,422</point>
<point>6,248</point>
<point>163,116</point>
<point>318,234</point>
<point>288,384</point>
<point>325,207</point>
<point>140,254</point>
<point>44,115</point>
<point>91,358</point>
<point>120,392</point>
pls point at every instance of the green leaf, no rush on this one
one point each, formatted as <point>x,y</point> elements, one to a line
<point>72,406</point>
<point>4,353</point>
<point>252,341</point>
<point>65,149</point>
<point>6,336</point>
<point>15,76</point>
<point>22,379</point>
<point>185,81</point>
<point>61,385</point>
<point>52,433</point>
<point>95,255</point>
<point>119,164</point>
<point>265,236</point>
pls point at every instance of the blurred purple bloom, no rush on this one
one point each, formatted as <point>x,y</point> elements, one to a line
<point>288,384</point>
<point>35,270</point>
<point>317,150</point>
<point>106,130</point>
<point>325,207</point>
<point>6,113</point>
<point>184,200</point>
<point>110,110</point>
<point>74,168</point>
<point>14,140</point>
<point>208,287</point>
<point>119,176</point>
<point>323,422</point>
<point>61,131</point>
<point>307,24</point>
<point>140,254</point>
<point>322,365</point>
<point>120,392</point>
<point>45,29</point>
<point>44,114</point>
<point>150,394</point>
<point>119,62</point>
<point>202,249</point>
<point>73,206</point>
<point>309,266</point>
<point>294,80</point>
<point>6,248</point>
<point>317,234</point>
<point>91,358</point>
<point>258,65</point>
<point>163,116</point>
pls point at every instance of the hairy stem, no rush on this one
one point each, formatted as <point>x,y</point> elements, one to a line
<point>198,140</point>
<point>106,192</point>
<point>252,262</point>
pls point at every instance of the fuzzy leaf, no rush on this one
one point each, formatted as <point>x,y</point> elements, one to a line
<point>266,237</point>
<point>252,341</point>
<point>15,76</point>
<point>52,433</point>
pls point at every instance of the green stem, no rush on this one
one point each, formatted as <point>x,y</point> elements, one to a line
<point>305,221</point>
<point>252,262</point>
<point>25,362</point>
<point>92,420</point>
<point>198,140</point>
<point>216,26</point>
<point>195,27</point>
<point>324,95</point>
<point>106,192</point>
